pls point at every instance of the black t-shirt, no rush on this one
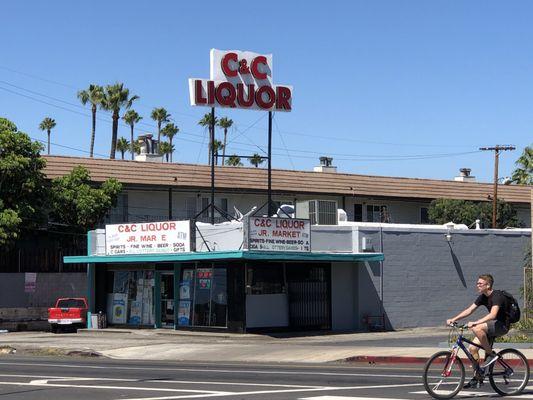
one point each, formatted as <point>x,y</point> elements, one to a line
<point>496,298</point>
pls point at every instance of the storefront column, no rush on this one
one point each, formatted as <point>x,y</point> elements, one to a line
<point>157,299</point>
<point>91,272</point>
<point>177,274</point>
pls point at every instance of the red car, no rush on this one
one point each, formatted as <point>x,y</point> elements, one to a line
<point>68,312</point>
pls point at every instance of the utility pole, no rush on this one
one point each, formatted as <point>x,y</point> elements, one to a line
<point>496,150</point>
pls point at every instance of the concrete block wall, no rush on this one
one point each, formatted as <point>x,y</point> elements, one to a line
<point>427,279</point>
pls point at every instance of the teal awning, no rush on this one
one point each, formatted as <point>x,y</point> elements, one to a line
<point>225,255</point>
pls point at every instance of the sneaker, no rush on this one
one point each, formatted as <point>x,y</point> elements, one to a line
<point>490,359</point>
<point>474,383</point>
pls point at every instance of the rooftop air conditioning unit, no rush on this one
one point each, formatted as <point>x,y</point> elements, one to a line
<point>319,212</point>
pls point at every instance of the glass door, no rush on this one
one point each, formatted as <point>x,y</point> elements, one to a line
<point>167,300</point>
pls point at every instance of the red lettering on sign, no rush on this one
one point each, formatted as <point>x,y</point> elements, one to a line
<point>240,95</point>
<point>198,92</point>
<point>227,99</point>
<point>210,92</point>
<point>259,97</point>
<point>283,95</point>
<point>224,63</point>
<point>255,67</point>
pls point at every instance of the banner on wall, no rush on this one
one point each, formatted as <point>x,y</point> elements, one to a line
<point>30,282</point>
<point>148,238</point>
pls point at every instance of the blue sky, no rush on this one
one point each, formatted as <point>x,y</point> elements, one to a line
<point>399,88</point>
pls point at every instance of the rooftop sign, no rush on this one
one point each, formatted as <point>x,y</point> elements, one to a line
<point>277,234</point>
<point>240,79</point>
<point>148,238</point>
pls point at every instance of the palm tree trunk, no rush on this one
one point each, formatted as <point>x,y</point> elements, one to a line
<point>114,135</point>
<point>210,147</point>
<point>224,148</point>
<point>171,151</point>
<point>48,131</point>
<point>93,132</point>
<point>158,133</point>
<point>122,152</point>
<point>131,143</point>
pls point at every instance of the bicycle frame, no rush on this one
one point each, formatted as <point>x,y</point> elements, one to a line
<point>459,344</point>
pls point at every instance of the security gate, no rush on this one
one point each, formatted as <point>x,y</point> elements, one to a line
<point>309,296</point>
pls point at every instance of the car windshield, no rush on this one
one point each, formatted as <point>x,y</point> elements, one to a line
<point>69,303</point>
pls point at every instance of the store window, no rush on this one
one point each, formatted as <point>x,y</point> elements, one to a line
<point>358,212</point>
<point>265,279</point>
<point>203,295</point>
<point>131,299</point>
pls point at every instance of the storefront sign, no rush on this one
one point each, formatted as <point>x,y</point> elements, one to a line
<point>278,234</point>
<point>240,79</point>
<point>148,238</point>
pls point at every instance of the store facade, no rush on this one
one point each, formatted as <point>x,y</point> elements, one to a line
<point>239,290</point>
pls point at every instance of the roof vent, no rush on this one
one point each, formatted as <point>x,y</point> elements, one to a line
<point>464,176</point>
<point>149,149</point>
<point>325,165</point>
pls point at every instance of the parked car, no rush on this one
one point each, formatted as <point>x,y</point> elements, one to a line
<point>68,312</point>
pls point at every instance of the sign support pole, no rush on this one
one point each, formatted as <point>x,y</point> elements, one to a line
<point>270,211</point>
<point>212,148</point>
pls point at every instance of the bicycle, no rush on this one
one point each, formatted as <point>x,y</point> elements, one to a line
<point>444,372</point>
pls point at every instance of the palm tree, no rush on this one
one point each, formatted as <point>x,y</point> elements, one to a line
<point>94,95</point>
<point>123,145</point>
<point>256,160</point>
<point>131,118</point>
<point>160,115</point>
<point>170,130</point>
<point>234,161</point>
<point>206,122</point>
<point>224,123</point>
<point>136,147</point>
<point>217,145</point>
<point>523,174</point>
<point>47,125</point>
<point>116,97</point>
<point>165,148</point>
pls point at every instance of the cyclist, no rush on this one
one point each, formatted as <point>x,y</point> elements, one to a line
<point>494,324</point>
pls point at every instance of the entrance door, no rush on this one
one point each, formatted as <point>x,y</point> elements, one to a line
<point>167,300</point>
<point>309,296</point>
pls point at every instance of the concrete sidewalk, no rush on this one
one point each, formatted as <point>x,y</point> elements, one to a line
<point>405,346</point>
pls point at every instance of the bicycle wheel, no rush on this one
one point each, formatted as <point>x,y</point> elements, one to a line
<point>509,375</point>
<point>444,375</point>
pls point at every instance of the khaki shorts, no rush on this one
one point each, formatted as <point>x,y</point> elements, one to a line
<point>496,328</point>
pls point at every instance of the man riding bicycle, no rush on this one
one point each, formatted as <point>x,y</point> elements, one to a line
<point>487,328</point>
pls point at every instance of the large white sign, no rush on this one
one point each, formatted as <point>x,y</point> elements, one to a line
<point>279,234</point>
<point>240,79</point>
<point>148,238</point>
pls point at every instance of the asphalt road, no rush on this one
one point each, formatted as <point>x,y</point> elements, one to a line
<point>32,378</point>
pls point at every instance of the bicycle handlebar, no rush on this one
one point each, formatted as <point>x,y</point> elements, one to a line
<point>459,326</point>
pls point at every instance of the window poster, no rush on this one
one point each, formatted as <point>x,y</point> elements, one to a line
<point>184,313</point>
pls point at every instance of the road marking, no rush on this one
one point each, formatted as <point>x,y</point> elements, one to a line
<point>274,392</point>
<point>346,398</point>
<point>132,388</point>
<point>226,371</point>
<point>470,394</point>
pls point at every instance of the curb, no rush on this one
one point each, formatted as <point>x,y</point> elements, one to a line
<point>400,360</point>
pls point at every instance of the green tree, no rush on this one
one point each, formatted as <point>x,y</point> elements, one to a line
<point>94,94</point>
<point>165,148</point>
<point>466,212</point>
<point>206,122</point>
<point>131,118</point>
<point>22,183</point>
<point>47,125</point>
<point>160,115</point>
<point>523,174</point>
<point>123,146</point>
<point>256,160</point>
<point>76,203</point>
<point>169,131</point>
<point>136,147</point>
<point>234,161</point>
<point>217,146</point>
<point>224,123</point>
<point>115,98</point>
